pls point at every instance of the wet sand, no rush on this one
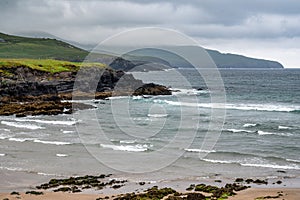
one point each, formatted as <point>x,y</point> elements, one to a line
<point>249,194</point>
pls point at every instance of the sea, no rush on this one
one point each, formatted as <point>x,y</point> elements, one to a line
<point>252,130</point>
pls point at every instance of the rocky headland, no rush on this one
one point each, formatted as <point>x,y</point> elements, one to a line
<point>34,90</point>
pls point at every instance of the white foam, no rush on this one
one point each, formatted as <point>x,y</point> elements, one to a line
<point>240,131</point>
<point>137,97</point>
<point>61,155</point>
<point>46,174</point>
<point>117,97</point>
<point>270,133</point>
<point>68,132</point>
<point>218,161</point>
<point>133,148</point>
<point>141,119</point>
<point>127,141</point>
<point>284,128</point>
<point>274,166</point>
<point>2,154</point>
<point>177,91</point>
<point>20,139</point>
<point>292,160</point>
<point>69,123</point>
<point>270,166</point>
<point>51,142</point>
<point>157,115</point>
<point>199,150</point>
<point>249,107</point>
<point>5,129</point>
<point>12,168</point>
<point>249,125</point>
<point>21,125</point>
<point>4,136</point>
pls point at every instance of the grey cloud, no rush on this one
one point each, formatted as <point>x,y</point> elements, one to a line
<point>200,18</point>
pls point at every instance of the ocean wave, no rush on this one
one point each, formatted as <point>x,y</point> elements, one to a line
<point>133,148</point>
<point>141,119</point>
<point>264,165</point>
<point>271,133</point>
<point>69,123</point>
<point>21,125</point>
<point>117,97</point>
<point>247,107</point>
<point>137,97</point>
<point>176,91</point>
<point>157,115</point>
<point>284,128</point>
<point>239,131</point>
<point>249,125</point>
<point>5,129</point>
<point>4,136</point>
<point>271,166</point>
<point>127,141</point>
<point>218,161</point>
<point>18,169</point>
<point>200,150</point>
<point>68,132</point>
<point>2,154</point>
<point>21,139</point>
<point>292,160</point>
<point>51,142</point>
<point>61,155</point>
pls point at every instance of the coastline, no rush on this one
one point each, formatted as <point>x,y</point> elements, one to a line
<point>249,194</point>
<point>289,189</point>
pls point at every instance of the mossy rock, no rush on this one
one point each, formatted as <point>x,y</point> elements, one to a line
<point>34,192</point>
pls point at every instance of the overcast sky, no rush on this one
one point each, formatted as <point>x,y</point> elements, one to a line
<point>267,29</point>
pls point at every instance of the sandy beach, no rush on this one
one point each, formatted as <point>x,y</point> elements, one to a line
<point>249,194</point>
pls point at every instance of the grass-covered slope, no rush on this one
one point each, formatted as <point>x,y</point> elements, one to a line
<point>38,48</point>
<point>44,65</point>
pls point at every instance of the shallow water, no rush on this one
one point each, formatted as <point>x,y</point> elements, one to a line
<point>261,132</point>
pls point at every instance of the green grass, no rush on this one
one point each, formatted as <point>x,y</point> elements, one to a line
<point>39,48</point>
<point>46,65</point>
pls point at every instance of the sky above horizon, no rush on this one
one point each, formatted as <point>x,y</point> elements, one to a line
<point>268,29</point>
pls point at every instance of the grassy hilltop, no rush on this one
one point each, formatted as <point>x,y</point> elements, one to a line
<point>39,48</point>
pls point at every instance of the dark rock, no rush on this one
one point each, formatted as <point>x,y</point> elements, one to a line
<point>31,92</point>
<point>152,89</point>
<point>195,196</point>
<point>258,181</point>
<point>117,186</point>
<point>63,189</point>
<point>34,193</point>
<point>281,171</point>
<point>14,193</point>
<point>142,183</point>
<point>239,180</point>
<point>191,187</point>
<point>249,180</point>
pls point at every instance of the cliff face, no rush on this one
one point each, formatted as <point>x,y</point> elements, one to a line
<point>27,91</point>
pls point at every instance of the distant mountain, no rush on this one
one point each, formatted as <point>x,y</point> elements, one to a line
<point>220,59</point>
<point>48,47</point>
<point>238,61</point>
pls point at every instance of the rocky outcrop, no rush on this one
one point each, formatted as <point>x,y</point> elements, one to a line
<point>26,91</point>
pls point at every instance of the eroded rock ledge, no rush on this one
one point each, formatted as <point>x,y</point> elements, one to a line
<point>26,91</point>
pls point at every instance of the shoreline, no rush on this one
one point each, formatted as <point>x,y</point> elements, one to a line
<point>248,194</point>
<point>289,188</point>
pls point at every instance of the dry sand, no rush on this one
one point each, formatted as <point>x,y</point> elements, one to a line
<point>249,194</point>
<point>254,193</point>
